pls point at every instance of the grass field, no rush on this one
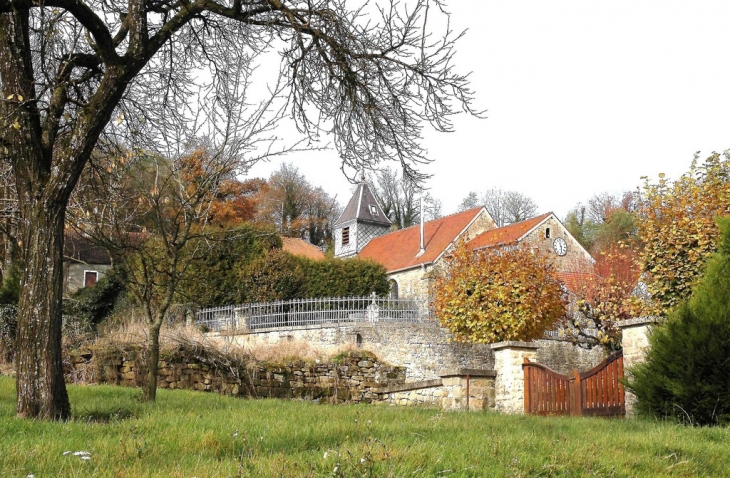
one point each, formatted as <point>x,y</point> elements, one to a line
<point>189,434</point>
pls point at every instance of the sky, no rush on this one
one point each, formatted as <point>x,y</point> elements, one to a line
<point>581,98</point>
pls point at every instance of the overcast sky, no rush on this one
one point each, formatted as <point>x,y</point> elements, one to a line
<point>582,97</point>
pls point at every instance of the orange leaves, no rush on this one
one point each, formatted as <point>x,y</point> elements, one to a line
<point>677,227</point>
<point>497,295</point>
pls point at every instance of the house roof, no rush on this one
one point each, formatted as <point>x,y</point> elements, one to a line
<point>300,247</point>
<point>507,234</point>
<point>574,281</point>
<point>399,250</point>
<point>363,207</point>
<point>78,248</point>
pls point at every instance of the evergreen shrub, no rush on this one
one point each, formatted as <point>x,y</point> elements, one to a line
<point>686,374</point>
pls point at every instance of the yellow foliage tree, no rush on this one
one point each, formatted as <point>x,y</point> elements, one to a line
<point>677,227</point>
<point>499,294</point>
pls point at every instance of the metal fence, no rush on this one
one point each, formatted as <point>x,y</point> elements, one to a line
<point>330,311</point>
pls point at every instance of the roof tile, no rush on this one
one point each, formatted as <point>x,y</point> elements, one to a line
<point>300,247</point>
<point>507,234</point>
<point>399,250</point>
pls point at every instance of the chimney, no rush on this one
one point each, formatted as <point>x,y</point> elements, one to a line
<point>423,245</point>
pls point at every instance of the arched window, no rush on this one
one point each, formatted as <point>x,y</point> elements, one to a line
<point>393,289</point>
<point>547,233</point>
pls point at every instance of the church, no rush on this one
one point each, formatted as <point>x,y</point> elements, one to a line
<point>412,255</point>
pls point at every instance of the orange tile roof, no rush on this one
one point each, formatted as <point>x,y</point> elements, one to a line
<point>507,234</point>
<point>575,281</point>
<point>300,247</point>
<point>398,250</point>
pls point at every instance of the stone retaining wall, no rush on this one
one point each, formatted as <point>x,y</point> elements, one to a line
<point>352,378</point>
<point>425,349</point>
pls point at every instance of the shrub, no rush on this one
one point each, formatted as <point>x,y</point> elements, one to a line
<point>686,374</point>
<point>94,304</point>
<point>215,280</point>
<point>343,278</point>
<point>10,290</point>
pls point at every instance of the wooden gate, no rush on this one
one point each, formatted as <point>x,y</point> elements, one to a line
<point>596,392</point>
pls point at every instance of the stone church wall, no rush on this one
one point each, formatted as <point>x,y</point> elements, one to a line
<point>574,260</point>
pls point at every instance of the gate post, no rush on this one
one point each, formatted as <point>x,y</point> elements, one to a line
<point>509,385</point>
<point>635,342</point>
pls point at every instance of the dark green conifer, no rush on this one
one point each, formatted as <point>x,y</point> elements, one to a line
<point>687,370</point>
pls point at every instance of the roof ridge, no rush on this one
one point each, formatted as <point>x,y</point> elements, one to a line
<point>438,219</point>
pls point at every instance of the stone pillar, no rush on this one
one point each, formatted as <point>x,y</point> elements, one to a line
<point>635,341</point>
<point>509,385</point>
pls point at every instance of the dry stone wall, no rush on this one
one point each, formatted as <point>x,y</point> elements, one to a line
<point>356,377</point>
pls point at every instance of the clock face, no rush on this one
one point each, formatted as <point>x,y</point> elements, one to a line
<point>560,246</point>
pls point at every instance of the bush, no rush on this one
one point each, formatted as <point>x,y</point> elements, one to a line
<point>277,275</point>
<point>94,304</point>
<point>10,290</point>
<point>343,278</point>
<point>686,374</point>
<point>215,280</point>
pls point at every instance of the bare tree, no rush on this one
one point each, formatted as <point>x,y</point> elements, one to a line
<point>469,202</point>
<point>518,207</point>
<point>167,71</point>
<point>508,207</point>
<point>398,196</point>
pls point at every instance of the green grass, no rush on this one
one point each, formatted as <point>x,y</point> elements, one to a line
<point>188,434</point>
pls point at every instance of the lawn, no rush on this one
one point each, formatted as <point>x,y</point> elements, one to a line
<point>193,434</point>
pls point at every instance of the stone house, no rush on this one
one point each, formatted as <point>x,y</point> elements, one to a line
<point>411,257</point>
<point>84,262</point>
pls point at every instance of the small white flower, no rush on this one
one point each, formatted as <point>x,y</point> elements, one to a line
<point>337,468</point>
<point>30,476</point>
<point>362,460</point>
<point>325,455</point>
<point>86,457</point>
<point>66,452</point>
<point>82,453</point>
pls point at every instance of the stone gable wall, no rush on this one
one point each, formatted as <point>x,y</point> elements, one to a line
<point>574,260</point>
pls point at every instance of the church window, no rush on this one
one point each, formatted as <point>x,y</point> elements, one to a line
<point>373,210</point>
<point>547,233</point>
<point>345,236</point>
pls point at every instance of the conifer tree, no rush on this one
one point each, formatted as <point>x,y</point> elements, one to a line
<point>687,371</point>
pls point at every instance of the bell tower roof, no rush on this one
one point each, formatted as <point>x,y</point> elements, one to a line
<point>363,207</point>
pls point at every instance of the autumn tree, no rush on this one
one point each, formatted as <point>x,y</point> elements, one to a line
<point>602,298</point>
<point>296,207</point>
<point>166,72</point>
<point>685,374</point>
<point>605,221</point>
<point>154,213</point>
<point>677,228</point>
<point>508,293</point>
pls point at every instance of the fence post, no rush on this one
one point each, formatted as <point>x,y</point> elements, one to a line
<point>635,342</point>
<point>509,386</point>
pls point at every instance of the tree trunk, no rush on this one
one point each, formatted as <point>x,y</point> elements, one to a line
<point>149,392</point>
<point>41,391</point>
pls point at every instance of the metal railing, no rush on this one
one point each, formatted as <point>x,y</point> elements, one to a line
<point>329,311</point>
